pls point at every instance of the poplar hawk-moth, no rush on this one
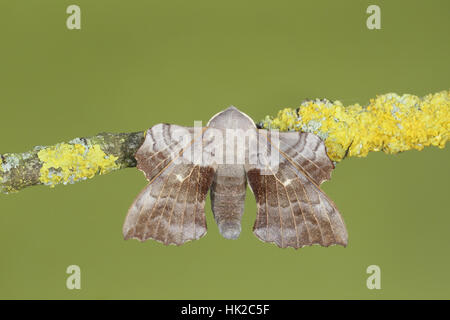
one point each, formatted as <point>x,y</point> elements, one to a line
<point>183,163</point>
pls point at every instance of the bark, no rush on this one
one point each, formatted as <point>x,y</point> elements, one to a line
<point>20,170</point>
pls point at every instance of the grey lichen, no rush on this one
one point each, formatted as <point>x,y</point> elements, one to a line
<point>10,161</point>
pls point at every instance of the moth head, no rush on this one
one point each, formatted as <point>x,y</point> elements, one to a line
<point>231,118</point>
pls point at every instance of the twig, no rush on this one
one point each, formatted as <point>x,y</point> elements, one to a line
<point>390,123</point>
<point>78,159</point>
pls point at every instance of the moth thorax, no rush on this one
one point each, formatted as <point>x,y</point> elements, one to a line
<point>231,118</point>
<point>227,199</point>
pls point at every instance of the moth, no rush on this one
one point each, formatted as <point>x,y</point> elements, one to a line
<point>284,171</point>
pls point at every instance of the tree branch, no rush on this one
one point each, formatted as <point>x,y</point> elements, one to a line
<point>78,159</point>
<point>389,123</point>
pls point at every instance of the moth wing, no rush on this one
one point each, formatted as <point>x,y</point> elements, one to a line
<point>292,209</point>
<point>308,152</point>
<point>171,208</point>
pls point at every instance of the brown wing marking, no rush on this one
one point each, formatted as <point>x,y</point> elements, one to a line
<point>161,147</point>
<point>171,208</point>
<point>322,158</point>
<point>307,151</point>
<point>305,214</point>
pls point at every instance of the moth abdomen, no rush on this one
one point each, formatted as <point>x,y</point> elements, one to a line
<point>228,198</point>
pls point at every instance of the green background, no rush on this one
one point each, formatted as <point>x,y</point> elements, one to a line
<point>137,63</point>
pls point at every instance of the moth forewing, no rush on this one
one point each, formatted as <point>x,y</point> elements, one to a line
<point>213,146</point>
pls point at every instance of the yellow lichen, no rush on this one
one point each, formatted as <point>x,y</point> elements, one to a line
<point>68,163</point>
<point>390,123</point>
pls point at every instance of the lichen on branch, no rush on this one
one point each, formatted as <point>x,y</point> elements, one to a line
<point>69,162</point>
<point>389,123</point>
